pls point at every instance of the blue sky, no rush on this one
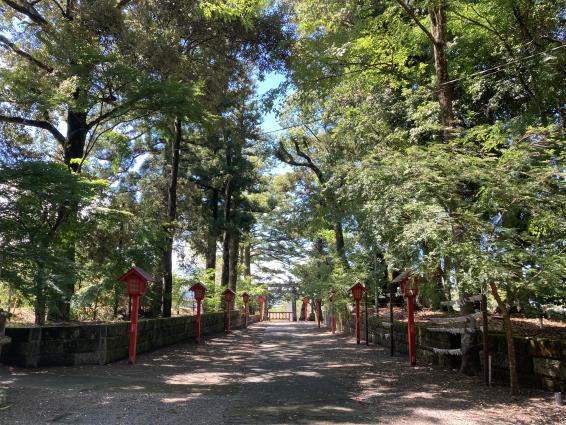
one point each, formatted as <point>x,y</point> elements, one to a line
<point>271,81</point>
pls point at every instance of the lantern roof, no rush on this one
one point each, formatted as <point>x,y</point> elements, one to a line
<point>198,285</point>
<point>358,285</point>
<point>402,276</point>
<point>137,272</point>
<point>228,291</point>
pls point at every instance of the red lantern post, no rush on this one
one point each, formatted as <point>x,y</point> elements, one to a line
<point>319,310</point>
<point>332,321</point>
<point>199,290</point>
<point>136,279</point>
<point>246,299</point>
<point>228,297</point>
<point>306,303</point>
<point>357,291</point>
<point>410,290</point>
<point>261,300</point>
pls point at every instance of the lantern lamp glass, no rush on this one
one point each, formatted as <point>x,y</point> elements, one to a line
<point>199,293</point>
<point>134,286</point>
<point>357,291</point>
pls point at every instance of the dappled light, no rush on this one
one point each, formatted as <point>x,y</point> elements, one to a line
<point>272,373</point>
<point>282,212</point>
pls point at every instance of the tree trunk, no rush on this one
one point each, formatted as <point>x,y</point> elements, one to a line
<point>340,246</point>
<point>233,261</point>
<point>73,152</point>
<point>227,234</point>
<point>116,301</point>
<point>212,232</point>
<point>74,148</point>
<point>294,303</point>
<point>39,308</point>
<point>225,278</point>
<point>167,260</point>
<point>438,26</point>
<point>514,384</point>
<point>391,298</point>
<point>247,259</point>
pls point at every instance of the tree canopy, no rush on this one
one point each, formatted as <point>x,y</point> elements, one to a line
<point>426,135</point>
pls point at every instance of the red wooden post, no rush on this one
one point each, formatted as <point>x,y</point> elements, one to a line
<point>198,321</point>
<point>134,329</point>
<point>306,303</point>
<point>332,321</point>
<point>136,280</point>
<point>319,310</point>
<point>411,336</point>
<point>409,288</point>
<point>246,299</point>
<point>357,321</point>
<point>229,298</point>
<point>261,300</point>
<point>227,317</point>
<point>199,290</point>
<point>357,291</point>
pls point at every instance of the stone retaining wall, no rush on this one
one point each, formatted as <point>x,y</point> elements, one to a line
<point>70,345</point>
<point>541,363</point>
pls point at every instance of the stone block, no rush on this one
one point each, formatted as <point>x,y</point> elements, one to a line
<point>499,360</point>
<point>116,329</point>
<point>51,346</point>
<point>116,342</point>
<point>89,332</point>
<point>83,345</point>
<point>88,358</point>
<point>61,359</point>
<point>19,334</point>
<point>548,367</point>
<point>552,384</point>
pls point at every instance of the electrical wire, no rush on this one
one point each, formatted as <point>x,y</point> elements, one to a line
<point>483,73</point>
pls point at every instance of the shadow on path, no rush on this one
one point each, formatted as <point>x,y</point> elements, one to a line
<point>271,373</point>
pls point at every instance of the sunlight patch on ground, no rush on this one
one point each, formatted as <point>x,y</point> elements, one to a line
<point>306,373</point>
<point>199,378</point>
<point>132,388</point>
<point>169,400</point>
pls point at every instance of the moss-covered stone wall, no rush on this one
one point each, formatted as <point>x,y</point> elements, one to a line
<point>35,346</point>
<point>541,363</point>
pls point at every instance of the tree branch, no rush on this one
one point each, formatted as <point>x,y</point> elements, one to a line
<point>28,10</point>
<point>60,7</point>
<point>284,155</point>
<point>122,3</point>
<point>310,162</point>
<point>415,18</point>
<point>112,113</point>
<point>5,41</point>
<point>45,125</point>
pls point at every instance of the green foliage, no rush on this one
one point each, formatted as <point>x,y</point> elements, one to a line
<point>484,206</point>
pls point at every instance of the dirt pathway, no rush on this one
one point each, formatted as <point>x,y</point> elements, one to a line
<point>276,373</point>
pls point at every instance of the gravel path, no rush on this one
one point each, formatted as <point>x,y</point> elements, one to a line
<point>272,373</point>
